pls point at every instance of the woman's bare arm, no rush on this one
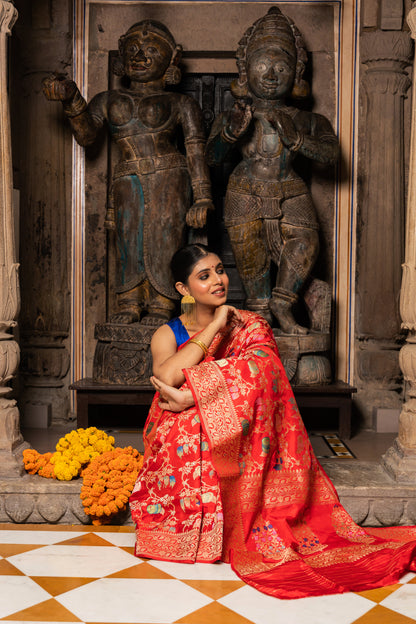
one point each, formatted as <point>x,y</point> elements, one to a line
<point>168,362</point>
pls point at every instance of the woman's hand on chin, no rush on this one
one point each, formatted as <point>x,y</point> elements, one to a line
<point>171,398</point>
<point>224,314</point>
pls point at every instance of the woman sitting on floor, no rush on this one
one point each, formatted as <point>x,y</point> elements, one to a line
<point>229,473</point>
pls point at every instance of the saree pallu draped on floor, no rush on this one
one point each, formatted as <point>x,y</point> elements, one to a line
<point>235,479</point>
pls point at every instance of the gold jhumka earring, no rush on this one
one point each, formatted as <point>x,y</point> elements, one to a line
<point>188,309</point>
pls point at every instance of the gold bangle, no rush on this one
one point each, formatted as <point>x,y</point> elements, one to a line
<point>200,344</point>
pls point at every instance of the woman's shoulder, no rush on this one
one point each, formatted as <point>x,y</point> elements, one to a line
<point>164,332</point>
<point>172,332</point>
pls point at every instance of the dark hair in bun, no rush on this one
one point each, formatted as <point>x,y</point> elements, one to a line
<point>184,260</point>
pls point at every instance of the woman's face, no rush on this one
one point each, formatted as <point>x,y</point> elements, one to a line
<point>208,282</point>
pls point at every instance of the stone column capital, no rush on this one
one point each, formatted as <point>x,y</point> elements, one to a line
<point>383,46</point>
<point>8,16</point>
<point>386,56</point>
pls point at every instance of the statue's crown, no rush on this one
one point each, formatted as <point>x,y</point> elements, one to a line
<point>150,26</point>
<point>274,28</point>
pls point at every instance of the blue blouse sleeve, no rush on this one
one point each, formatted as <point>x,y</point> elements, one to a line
<point>181,334</point>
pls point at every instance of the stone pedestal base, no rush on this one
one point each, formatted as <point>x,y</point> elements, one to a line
<point>305,357</point>
<point>400,463</point>
<point>122,354</point>
<point>11,462</point>
<point>11,440</point>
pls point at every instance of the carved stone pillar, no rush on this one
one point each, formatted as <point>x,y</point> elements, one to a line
<point>11,441</point>
<point>43,163</point>
<point>400,459</point>
<point>386,55</point>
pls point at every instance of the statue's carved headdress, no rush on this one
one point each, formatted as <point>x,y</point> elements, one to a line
<point>273,28</point>
<point>173,73</point>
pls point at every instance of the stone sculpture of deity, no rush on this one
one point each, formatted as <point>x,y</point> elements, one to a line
<point>156,190</point>
<point>268,210</point>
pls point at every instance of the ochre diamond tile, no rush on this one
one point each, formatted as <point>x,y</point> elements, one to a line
<point>381,615</point>
<point>89,539</point>
<point>44,612</point>
<point>214,613</point>
<point>142,571</point>
<point>8,569</point>
<point>56,585</point>
<point>129,549</point>
<point>378,594</point>
<point>215,589</point>
<point>8,550</point>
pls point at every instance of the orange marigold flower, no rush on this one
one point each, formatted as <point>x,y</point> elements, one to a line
<point>108,481</point>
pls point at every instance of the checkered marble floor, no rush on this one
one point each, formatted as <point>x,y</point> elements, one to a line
<point>56,573</point>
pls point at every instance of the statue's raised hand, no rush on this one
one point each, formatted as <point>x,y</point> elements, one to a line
<point>286,128</point>
<point>239,119</point>
<point>58,87</point>
<point>196,217</point>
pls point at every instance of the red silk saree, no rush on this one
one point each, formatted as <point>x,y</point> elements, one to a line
<point>234,478</point>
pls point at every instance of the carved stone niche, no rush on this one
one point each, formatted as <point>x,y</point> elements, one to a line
<point>45,359</point>
<point>122,353</point>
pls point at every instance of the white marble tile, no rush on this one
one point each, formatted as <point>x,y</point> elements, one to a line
<point>199,571</point>
<point>403,600</point>
<point>19,592</point>
<point>262,609</point>
<point>407,577</point>
<point>36,537</point>
<point>38,622</point>
<point>133,600</point>
<point>86,561</point>
<point>119,539</point>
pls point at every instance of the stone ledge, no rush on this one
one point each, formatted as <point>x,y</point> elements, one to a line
<point>367,492</point>
<point>370,495</point>
<point>35,500</point>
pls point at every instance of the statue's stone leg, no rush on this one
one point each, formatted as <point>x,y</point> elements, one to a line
<point>159,308</point>
<point>253,264</point>
<point>295,256</point>
<point>128,305</point>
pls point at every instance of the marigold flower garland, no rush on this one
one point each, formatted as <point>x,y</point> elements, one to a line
<point>38,463</point>
<point>108,473</point>
<point>74,451</point>
<point>108,482</point>
<point>77,449</point>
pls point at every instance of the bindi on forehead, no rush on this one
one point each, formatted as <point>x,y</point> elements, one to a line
<point>207,267</point>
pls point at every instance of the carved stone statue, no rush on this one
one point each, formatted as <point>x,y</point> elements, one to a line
<point>153,183</point>
<point>268,211</point>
